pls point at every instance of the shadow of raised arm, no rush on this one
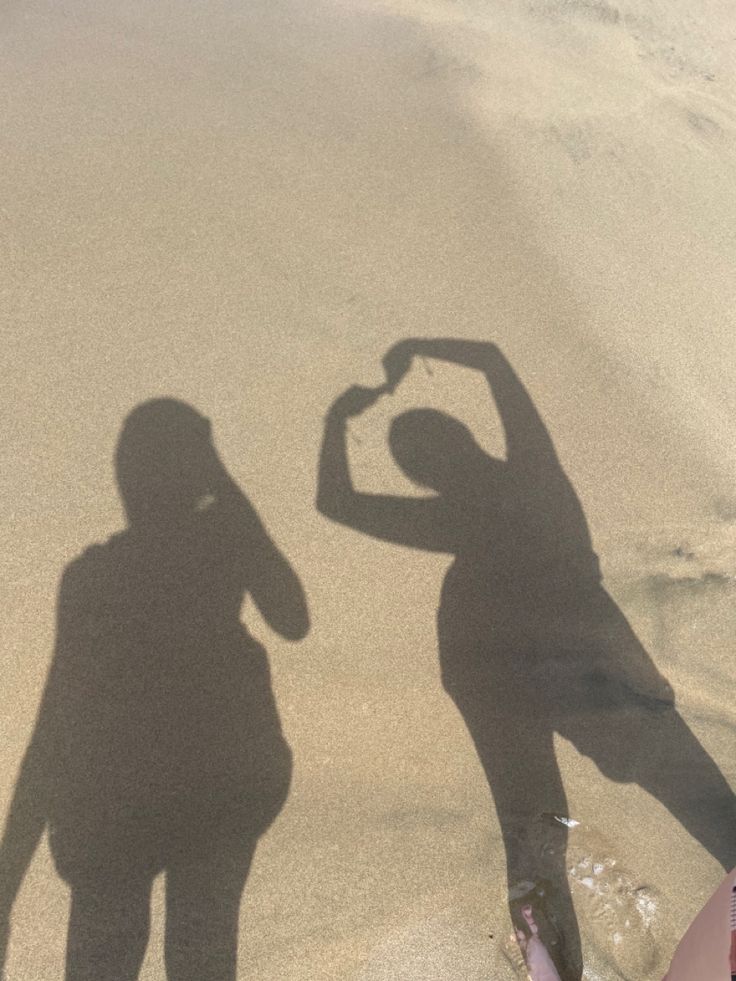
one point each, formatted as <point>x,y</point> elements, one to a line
<point>414,522</point>
<point>527,439</point>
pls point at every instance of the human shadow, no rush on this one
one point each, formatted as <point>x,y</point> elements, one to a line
<point>530,643</point>
<point>158,746</point>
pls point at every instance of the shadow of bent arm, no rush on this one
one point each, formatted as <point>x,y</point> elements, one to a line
<point>414,522</point>
<point>271,581</point>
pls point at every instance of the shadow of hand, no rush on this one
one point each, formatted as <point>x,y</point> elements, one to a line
<point>356,400</point>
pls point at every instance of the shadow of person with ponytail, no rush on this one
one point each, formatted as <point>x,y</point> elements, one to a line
<point>158,746</point>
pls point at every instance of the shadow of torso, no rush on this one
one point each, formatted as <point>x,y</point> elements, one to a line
<point>159,719</point>
<point>526,631</point>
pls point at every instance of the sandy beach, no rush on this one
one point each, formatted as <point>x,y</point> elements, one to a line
<point>243,207</point>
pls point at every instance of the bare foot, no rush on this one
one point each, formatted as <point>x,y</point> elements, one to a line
<point>538,961</point>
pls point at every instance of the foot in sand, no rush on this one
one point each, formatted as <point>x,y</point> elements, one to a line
<point>538,960</point>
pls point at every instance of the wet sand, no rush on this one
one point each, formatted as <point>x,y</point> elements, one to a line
<point>243,207</point>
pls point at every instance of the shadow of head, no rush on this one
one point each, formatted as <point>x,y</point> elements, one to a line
<point>164,462</point>
<point>438,451</point>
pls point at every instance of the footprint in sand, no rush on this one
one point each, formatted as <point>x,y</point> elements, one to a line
<point>615,910</point>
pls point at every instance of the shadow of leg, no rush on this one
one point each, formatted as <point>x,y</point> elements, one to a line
<point>202,911</point>
<point>527,788</point>
<point>108,930</point>
<point>675,769</point>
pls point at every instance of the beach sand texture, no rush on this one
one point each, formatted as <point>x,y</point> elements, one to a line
<point>243,206</point>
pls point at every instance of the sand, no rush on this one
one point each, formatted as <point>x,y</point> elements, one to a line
<point>243,206</point>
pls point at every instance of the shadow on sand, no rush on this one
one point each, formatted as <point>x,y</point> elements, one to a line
<point>158,746</point>
<point>530,643</point>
